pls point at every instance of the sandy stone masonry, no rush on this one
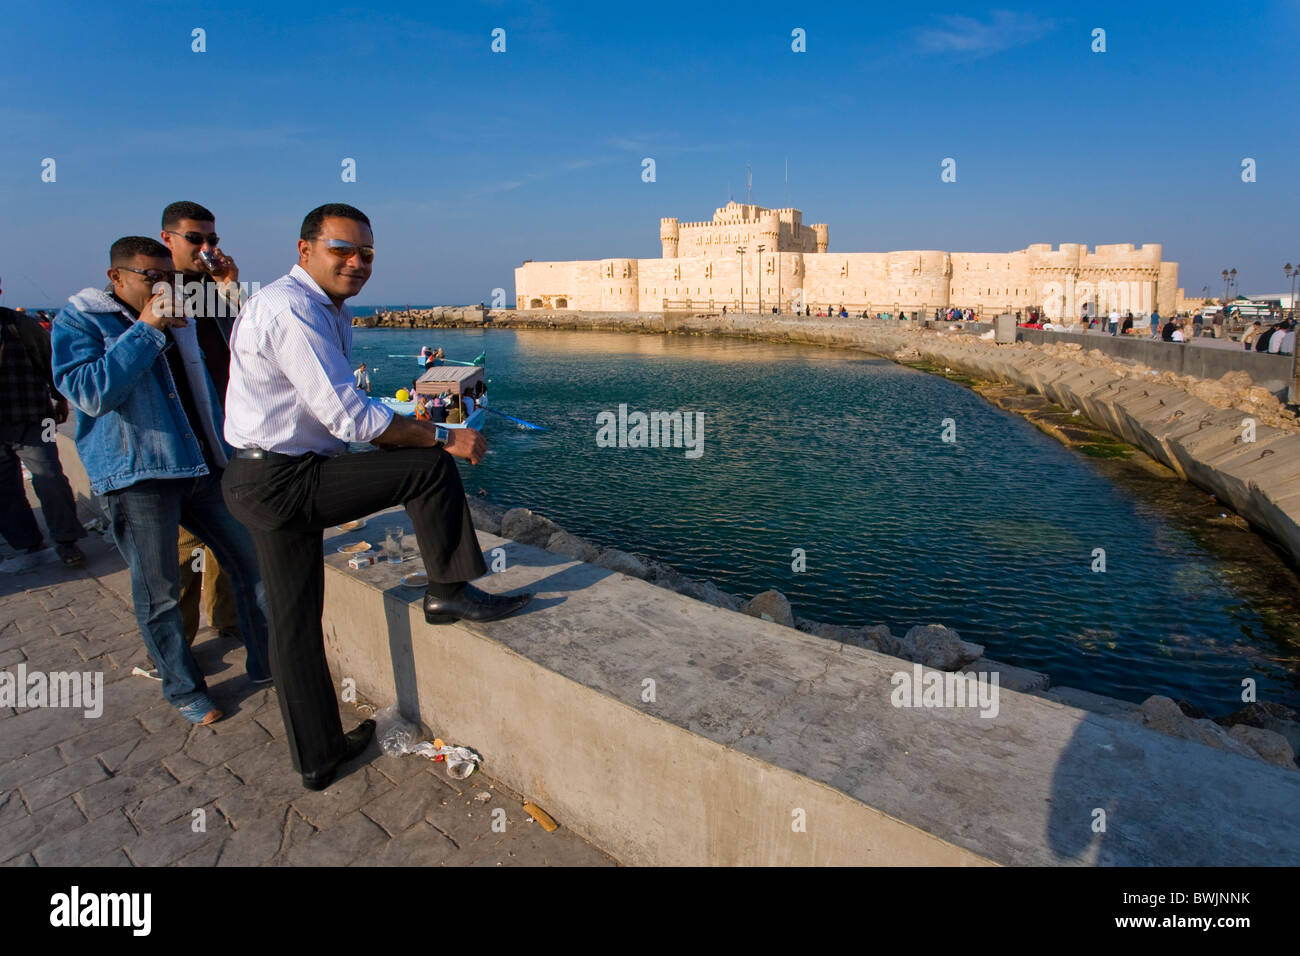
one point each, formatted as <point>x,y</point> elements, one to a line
<point>701,269</point>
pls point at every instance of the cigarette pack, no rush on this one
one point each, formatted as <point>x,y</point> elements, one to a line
<point>361,561</point>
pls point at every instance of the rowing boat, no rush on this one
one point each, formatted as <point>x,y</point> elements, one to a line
<point>445,380</point>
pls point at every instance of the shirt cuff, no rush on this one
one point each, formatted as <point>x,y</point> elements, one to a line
<point>373,421</point>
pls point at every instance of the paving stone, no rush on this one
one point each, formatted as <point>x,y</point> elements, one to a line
<point>412,800</point>
<point>421,845</point>
<point>161,714</point>
<point>85,843</point>
<point>113,858</point>
<point>148,748</point>
<point>12,807</point>
<point>271,721</point>
<point>324,808</point>
<point>53,652</point>
<point>38,728</point>
<point>55,786</point>
<point>261,840</point>
<point>205,856</point>
<point>166,805</point>
<point>31,831</point>
<point>125,789</point>
<point>11,656</point>
<point>400,769</point>
<point>25,860</point>
<point>354,835</point>
<point>31,767</point>
<point>99,737</point>
<point>177,839</point>
<point>270,783</point>
<point>217,743</point>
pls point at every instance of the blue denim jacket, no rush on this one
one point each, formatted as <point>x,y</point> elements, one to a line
<point>131,425</point>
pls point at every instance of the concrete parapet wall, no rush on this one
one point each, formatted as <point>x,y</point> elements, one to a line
<point>1272,372</point>
<point>754,727</point>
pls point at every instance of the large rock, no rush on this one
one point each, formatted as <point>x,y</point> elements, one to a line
<point>1011,677</point>
<point>571,546</point>
<point>487,517</point>
<point>709,593</point>
<point>939,647</point>
<point>771,606</point>
<point>520,524</point>
<point>622,562</point>
<point>1271,746</point>
<point>1162,714</point>
<point>1269,716</point>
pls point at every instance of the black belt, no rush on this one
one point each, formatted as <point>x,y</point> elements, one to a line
<point>261,453</point>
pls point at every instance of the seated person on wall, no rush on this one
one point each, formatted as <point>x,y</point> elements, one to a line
<point>149,425</point>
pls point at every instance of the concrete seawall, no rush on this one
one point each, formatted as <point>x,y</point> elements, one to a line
<point>1203,444</point>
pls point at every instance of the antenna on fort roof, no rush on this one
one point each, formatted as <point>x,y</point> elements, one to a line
<point>749,186</point>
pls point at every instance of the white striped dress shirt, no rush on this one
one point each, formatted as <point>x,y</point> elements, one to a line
<point>291,385</point>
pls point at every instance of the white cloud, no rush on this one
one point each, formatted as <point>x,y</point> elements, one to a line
<point>1003,30</point>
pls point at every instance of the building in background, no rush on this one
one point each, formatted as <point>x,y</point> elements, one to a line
<point>701,269</point>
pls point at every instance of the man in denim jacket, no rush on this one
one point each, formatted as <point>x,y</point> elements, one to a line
<point>149,433</point>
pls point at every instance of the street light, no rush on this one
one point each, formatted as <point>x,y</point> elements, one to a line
<point>761,247</point>
<point>740,250</point>
<point>1229,280</point>
<point>1291,274</point>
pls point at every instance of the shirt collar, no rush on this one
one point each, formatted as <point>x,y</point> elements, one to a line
<point>314,292</point>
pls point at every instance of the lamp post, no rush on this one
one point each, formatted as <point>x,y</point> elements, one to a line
<point>759,270</point>
<point>740,251</point>
<point>1291,274</point>
<point>1229,279</point>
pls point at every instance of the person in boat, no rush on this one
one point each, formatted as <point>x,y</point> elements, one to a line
<point>422,408</point>
<point>480,391</point>
<point>455,411</point>
<point>425,351</point>
<point>362,378</point>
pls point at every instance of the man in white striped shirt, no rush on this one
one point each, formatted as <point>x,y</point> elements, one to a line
<point>292,407</point>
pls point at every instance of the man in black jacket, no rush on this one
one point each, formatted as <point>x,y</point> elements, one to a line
<point>30,407</point>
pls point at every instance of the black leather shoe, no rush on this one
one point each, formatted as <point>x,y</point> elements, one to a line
<point>354,743</point>
<point>472,605</point>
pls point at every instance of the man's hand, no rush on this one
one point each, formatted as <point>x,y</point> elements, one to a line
<point>160,312</point>
<point>466,443</point>
<point>226,270</point>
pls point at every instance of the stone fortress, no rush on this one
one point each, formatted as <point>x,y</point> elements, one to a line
<point>788,264</point>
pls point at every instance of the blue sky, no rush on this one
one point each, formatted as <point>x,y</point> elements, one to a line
<point>469,161</point>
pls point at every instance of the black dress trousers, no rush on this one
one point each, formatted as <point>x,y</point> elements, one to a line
<point>286,502</point>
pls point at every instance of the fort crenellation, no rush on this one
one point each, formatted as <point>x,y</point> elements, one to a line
<point>709,265</point>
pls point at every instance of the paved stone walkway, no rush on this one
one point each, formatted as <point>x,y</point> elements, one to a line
<point>126,788</point>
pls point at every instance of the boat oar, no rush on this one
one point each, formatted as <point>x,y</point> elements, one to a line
<point>517,421</point>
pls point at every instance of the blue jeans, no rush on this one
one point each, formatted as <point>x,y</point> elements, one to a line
<point>146,519</point>
<point>17,523</point>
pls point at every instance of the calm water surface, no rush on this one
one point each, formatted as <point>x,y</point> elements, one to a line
<point>840,454</point>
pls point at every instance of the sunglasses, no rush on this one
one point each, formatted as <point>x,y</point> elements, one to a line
<point>153,275</point>
<point>345,250</point>
<point>197,238</point>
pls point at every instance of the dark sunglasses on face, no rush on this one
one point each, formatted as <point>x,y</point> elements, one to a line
<point>197,238</point>
<point>153,275</point>
<point>346,250</point>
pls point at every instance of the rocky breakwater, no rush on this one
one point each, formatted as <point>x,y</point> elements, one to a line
<point>437,317</point>
<point>1261,731</point>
